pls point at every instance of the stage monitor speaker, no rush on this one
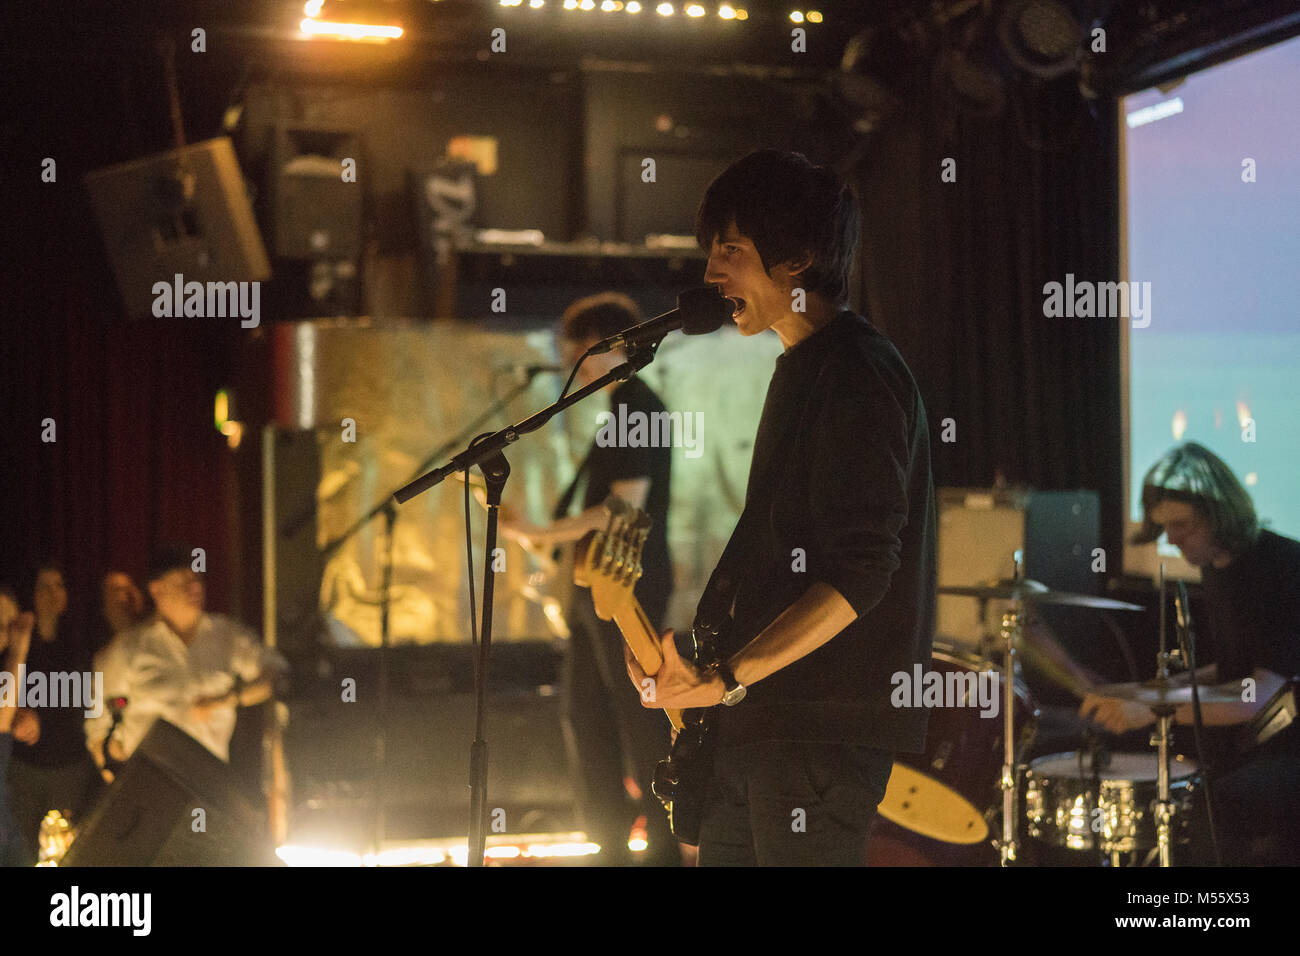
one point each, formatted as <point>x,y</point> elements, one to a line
<point>981,529</point>
<point>150,816</point>
<point>316,213</point>
<point>182,212</point>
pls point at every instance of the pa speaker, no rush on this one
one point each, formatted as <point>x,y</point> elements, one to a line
<point>183,212</point>
<point>173,804</point>
<point>317,213</point>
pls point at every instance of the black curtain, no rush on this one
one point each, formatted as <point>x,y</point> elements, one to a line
<point>954,274</point>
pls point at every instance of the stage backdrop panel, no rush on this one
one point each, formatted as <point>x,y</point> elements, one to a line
<point>411,387</point>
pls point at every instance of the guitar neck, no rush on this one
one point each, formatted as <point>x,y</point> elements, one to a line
<point>643,639</point>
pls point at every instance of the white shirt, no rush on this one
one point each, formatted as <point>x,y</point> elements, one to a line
<point>160,677</point>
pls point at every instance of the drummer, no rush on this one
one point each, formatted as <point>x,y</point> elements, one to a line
<point>1251,583</point>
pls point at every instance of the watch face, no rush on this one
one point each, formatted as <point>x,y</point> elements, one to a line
<point>734,696</point>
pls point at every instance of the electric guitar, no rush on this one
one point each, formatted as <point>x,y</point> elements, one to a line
<point>609,563</point>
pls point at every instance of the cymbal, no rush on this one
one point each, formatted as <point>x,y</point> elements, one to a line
<point>1033,592</point>
<point>1154,693</point>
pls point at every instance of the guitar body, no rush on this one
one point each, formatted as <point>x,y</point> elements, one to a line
<point>609,563</point>
<point>682,780</point>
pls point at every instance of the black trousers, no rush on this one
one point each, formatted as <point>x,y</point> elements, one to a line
<point>788,803</point>
<point>610,737</point>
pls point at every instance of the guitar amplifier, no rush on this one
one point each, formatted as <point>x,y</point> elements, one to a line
<point>981,529</point>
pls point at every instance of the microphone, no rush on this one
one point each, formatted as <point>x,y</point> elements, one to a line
<point>699,311</point>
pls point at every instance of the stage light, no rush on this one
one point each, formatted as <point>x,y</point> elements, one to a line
<point>312,9</point>
<point>607,6</point>
<point>796,16</point>
<point>1041,37</point>
<point>695,10</point>
<point>312,856</point>
<point>359,32</point>
<point>727,11</point>
<point>814,16</point>
<point>1180,424</point>
<point>587,5</point>
<point>221,409</point>
<point>742,13</point>
<point>633,7</point>
<point>537,4</point>
<point>664,9</point>
<point>570,4</point>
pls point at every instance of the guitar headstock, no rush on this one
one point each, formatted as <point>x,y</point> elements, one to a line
<point>609,562</point>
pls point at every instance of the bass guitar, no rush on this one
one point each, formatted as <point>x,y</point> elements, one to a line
<point>609,564</point>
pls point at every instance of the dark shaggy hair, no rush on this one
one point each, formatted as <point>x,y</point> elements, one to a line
<point>788,208</point>
<point>599,316</point>
<point>1193,474</point>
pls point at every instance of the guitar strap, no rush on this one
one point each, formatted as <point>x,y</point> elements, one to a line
<point>714,609</point>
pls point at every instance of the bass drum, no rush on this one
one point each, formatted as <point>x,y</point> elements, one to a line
<point>942,806</point>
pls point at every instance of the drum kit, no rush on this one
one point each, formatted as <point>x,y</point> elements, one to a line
<point>968,797</point>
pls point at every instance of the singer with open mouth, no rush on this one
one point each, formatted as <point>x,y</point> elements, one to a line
<point>827,583</point>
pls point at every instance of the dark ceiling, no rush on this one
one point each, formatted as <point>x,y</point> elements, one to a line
<point>453,31</point>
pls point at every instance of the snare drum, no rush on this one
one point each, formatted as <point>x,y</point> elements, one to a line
<point>1069,805</point>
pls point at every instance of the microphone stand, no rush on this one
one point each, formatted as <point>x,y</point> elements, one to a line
<point>486,452</point>
<point>385,507</point>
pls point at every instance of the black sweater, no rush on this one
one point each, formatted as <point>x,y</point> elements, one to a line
<point>839,491</point>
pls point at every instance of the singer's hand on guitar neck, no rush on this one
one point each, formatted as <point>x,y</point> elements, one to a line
<point>678,685</point>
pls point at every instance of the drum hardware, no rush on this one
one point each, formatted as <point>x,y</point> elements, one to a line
<point>1029,591</point>
<point>946,800</point>
<point>1020,591</point>
<point>1060,809</point>
<point>1163,692</point>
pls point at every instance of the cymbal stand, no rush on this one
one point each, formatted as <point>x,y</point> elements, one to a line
<point>1010,632</point>
<point>1164,807</point>
<point>1161,739</point>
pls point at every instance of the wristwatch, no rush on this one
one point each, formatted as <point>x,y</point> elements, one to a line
<point>735,690</point>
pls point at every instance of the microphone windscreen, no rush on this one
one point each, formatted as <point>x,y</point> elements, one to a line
<point>703,310</point>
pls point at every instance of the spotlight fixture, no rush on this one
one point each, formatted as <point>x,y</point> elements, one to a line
<point>359,21</point>
<point>664,10</point>
<point>1041,37</point>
